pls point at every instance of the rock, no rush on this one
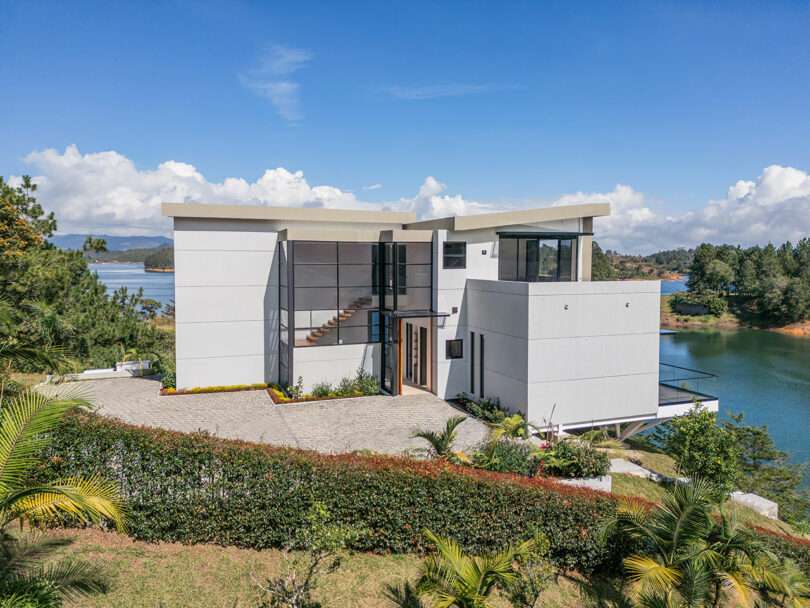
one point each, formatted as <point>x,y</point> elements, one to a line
<point>603,484</point>
<point>761,505</point>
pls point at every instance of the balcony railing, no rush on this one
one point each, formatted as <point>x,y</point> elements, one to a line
<point>679,384</point>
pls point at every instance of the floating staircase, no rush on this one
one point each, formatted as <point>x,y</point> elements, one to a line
<point>316,336</point>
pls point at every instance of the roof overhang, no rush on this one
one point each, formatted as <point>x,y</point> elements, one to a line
<point>485,221</point>
<point>289,214</point>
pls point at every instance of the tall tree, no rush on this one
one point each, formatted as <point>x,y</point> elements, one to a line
<point>23,222</point>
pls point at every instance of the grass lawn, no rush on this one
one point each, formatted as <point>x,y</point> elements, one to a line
<point>168,575</point>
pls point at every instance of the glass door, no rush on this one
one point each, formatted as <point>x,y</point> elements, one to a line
<point>389,355</point>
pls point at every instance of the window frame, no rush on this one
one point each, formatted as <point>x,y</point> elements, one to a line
<point>520,264</point>
<point>454,256</point>
<point>448,346</point>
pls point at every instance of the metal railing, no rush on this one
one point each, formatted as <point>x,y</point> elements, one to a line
<point>680,384</point>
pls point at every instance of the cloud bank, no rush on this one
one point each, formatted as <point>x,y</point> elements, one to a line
<point>105,192</point>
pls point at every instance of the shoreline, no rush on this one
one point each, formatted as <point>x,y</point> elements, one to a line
<point>145,269</point>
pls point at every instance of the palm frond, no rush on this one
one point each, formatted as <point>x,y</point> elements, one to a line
<point>22,554</point>
<point>70,578</point>
<point>24,423</point>
<point>650,574</point>
<point>90,500</point>
<point>403,596</point>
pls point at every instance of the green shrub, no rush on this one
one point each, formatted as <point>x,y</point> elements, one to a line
<point>168,379</point>
<point>789,547</point>
<point>713,303</point>
<point>366,383</point>
<point>322,389</point>
<point>488,410</point>
<point>193,488</point>
<point>507,457</point>
<point>701,448</point>
<point>345,388</point>
<point>574,460</point>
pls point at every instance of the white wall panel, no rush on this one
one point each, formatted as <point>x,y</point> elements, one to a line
<point>224,268</point>
<point>333,363</point>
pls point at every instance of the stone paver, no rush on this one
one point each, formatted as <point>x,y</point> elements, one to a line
<point>381,424</point>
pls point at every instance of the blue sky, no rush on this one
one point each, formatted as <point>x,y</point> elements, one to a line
<point>506,103</point>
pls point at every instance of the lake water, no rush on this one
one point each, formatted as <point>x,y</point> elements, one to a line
<point>763,374</point>
<point>156,285</point>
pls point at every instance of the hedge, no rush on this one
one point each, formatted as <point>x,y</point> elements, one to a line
<point>194,488</point>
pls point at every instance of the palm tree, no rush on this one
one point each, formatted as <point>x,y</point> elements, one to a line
<point>456,580</point>
<point>511,427</point>
<point>26,424</point>
<point>690,560</point>
<point>26,580</point>
<point>441,443</point>
<point>783,584</point>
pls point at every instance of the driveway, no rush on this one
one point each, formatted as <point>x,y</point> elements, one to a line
<point>381,424</point>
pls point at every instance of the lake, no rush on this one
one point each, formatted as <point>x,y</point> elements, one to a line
<point>156,285</point>
<point>763,374</point>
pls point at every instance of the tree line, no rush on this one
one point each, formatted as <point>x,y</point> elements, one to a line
<point>772,283</point>
<point>51,299</point>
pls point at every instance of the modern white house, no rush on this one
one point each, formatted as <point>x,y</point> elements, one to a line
<point>497,305</point>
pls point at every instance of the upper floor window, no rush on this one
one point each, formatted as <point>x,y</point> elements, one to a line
<point>536,259</point>
<point>454,255</point>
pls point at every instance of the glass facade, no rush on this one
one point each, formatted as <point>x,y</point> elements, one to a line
<point>537,259</point>
<point>334,293</point>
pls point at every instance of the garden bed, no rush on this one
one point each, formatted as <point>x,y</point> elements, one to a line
<point>280,398</point>
<point>169,392</point>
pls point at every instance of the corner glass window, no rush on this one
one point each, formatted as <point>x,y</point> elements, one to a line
<point>454,255</point>
<point>537,259</point>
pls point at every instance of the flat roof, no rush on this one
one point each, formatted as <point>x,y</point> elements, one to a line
<point>500,219</point>
<point>301,214</point>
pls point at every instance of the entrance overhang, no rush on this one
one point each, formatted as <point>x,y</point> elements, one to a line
<point>418,314</point>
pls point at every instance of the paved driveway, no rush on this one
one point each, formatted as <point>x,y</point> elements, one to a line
<point>382,424</point>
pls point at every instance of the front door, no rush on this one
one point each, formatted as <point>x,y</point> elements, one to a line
<point>423,356</point>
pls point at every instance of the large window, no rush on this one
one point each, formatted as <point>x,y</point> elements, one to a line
<point>534,258</point>
<point>336,293</point>
<point>454,254</point>
<point>408,276</point>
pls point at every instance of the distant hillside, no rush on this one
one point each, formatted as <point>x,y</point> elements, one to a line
<point>135,256</point>
<point>114,243</point>
<point>160,259</point>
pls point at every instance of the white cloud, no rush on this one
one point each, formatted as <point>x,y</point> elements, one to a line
<point>105,192</point>
<point>373,187</point>
<point>434,91</point>
<point>773,208</point>
<point>271,79</point>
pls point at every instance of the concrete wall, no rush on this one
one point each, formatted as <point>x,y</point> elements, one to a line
<point>226,302</point>
<point>331,364</point>
<point>569,353</point>
<point>453,376</point>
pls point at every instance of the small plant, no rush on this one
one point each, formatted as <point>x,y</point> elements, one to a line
<point>441,443</point>
<point>511,427</point>
<point>323,544</point>
<point>507,456</point>
<point>366,383</point>
<point>346,388</point>
<point>168,379</point>
<point>297,391</point>
<point>455,579</point>
<point>488,410</point>
<point>321,390</point>
<point>573,459</point>
<point>535,572</point>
